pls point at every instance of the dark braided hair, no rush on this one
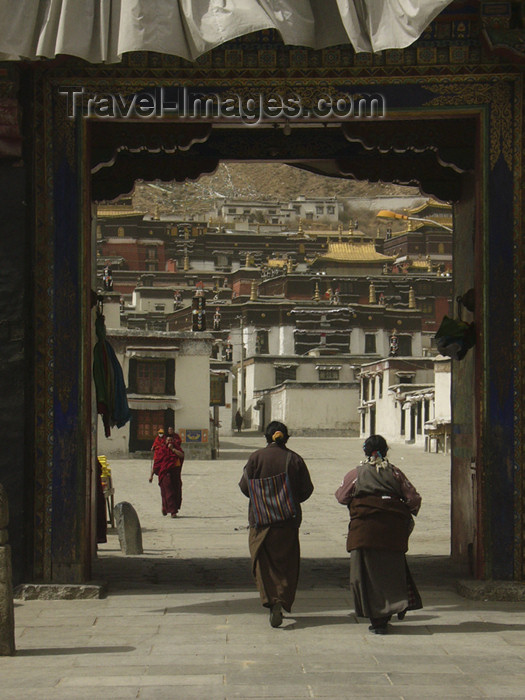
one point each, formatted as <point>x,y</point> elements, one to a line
<point>275,427</point>
<point>375,443</point>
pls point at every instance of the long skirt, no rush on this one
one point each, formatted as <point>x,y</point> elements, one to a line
<point>275,557</point>
<point>171,491</point>
<point>381,583</point>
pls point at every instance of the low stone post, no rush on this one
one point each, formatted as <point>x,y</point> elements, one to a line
<point>7,617</point>
<point>128,528</point>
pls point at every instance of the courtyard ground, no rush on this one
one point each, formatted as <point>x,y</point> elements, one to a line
<point>184,620</point>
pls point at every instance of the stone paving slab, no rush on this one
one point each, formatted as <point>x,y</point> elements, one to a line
<point>184,620</point>
<point>65,694</point>
<point>185,693</point>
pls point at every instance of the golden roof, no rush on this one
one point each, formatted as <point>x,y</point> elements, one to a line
<point>354,251</point>
<point>275,262</point>
<point>115,211</point>
<point>419,263</point>
<point>431,203</point>
<point>415,226</point>
<point>337,233</point>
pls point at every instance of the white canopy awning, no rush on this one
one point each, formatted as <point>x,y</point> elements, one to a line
<point>103,30</point>
<point>153,403</point>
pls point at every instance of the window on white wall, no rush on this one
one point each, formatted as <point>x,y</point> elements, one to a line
<point>147,376</point>
<point>370,343</point>
<point>149,423</point>
<point>404,345</point>
<point>285,372</point>
<point>151,377</point>
<point>261,342</point>
<point>328,373</point>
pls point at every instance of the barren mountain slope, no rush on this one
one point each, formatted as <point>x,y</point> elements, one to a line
<point>255,181</point>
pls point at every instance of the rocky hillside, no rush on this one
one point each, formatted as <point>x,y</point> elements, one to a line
<point>263,181</point>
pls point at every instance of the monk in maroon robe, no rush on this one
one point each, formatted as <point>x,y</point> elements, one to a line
<point>167,465</point>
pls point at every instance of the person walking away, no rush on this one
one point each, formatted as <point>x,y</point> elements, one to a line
<point>238,421</point>
<point>381,501</point>
<point>274,545</point>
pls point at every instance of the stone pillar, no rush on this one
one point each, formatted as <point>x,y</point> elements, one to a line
<point>7,618</point>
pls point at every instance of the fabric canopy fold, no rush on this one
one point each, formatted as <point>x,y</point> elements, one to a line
<point>103,30</point>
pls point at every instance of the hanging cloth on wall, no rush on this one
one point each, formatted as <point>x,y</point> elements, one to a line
<point>455,337</point>
<point>112,402</point>
<point>103,30</point>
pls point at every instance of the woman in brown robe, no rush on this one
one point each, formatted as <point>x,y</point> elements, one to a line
<point>382,502</point>
<point>274,548</point>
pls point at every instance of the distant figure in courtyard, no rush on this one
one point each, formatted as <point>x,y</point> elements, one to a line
<point>167,465</point>
<point>381,501</point>
<point>277,481</point>
<point>238,421</point>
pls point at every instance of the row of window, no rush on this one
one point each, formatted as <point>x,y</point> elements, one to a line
<point>418,415</point>
<point>174,231</point>
<point>157,377</point>
<point>318,210</point>
<point>411,423</point>
<point>324,374</point>
<point>404,343</point>
<point>368,388</point>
